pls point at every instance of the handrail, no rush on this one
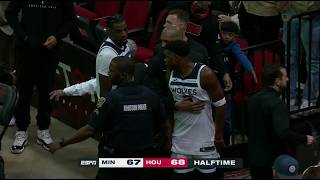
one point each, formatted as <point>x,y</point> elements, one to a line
<point>261,45</point>
<point>304,14</point>
<point>288,60</point>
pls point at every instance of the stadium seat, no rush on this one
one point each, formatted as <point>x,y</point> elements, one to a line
<point>136,14</point>
<point>144,54</point>
<point>80,11</point>
<point>107,8</point>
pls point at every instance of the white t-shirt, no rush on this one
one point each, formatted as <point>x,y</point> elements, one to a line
<point>81,88</point>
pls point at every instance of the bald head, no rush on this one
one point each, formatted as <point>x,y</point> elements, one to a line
<point>171,33</point>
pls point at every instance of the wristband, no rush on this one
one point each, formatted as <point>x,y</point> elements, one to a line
<point>219,103</point>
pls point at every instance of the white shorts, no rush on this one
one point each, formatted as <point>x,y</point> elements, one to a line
<point>191,167</point>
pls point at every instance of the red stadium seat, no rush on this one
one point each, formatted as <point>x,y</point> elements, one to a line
<point>144,54</point>
<point>107,8</point>
<point>136,14</point>
<point>80,11</point>
<point>160,21</point>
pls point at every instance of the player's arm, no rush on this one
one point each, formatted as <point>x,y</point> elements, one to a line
<point>210,83</point>
<point>96,123</point>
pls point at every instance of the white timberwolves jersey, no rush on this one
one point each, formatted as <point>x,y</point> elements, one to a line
<point>193,132</point>
<point>107,52</point>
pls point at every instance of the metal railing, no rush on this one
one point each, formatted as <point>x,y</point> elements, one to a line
<point>271,53</point>
<point>302,54</point>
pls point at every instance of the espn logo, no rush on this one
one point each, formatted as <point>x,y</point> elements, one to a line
<point>88,163</point>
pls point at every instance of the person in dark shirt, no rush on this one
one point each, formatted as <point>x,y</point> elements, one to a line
<point>156,75</point>
<point>205,30</point>
<point>269,124</point>
<point>130,119</point>
<point>43,24</point>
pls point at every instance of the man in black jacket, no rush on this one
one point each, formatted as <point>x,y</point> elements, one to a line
<point>269,124</point>
<point>43,24</point>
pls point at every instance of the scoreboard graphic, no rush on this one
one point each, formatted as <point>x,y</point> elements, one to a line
<point>162,163</point>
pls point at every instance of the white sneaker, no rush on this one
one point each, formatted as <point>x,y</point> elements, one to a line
<point>293,105</point>
<point>44,138</point>
<point>292,102</point>
<point>19,142</point>
<point>305,104</point>
<point>12,121</point>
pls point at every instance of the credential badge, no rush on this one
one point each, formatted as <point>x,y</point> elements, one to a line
<point>101,101</point>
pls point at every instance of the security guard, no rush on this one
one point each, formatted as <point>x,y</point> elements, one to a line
<point>130,119</point>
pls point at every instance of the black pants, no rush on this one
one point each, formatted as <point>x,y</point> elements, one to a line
<point>258,29</point>
<point>261,172</point>
<point>35,68</point>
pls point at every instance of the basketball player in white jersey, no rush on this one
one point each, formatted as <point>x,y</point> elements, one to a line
<point>195,133</point>
<point>115,45</point>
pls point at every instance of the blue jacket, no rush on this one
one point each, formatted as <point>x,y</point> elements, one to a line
<point>234,49</point>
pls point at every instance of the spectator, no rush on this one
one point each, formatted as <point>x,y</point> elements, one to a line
<point>6,39</point>
<point>6,44</point>
<point>37,46</point>
<point>229,30</point>
<point>114,118</point>
<point>269,128</point>
<point>260,21</point>
<point>203,26</point>
<point>232,54</point>
<point>288,10</point>
<point>286,167</point>
<point>196,82</point>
